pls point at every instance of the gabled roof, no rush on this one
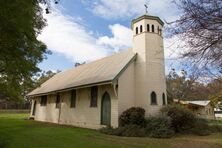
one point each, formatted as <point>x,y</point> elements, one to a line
<point>104,70</point>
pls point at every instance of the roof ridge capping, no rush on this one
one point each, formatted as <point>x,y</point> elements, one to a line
<point>105,57</point>
<point>94,61</point>
<point>145,16</point>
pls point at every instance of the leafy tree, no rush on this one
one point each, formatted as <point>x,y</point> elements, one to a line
<point>47,3</point>
<point>177,85</point>
<point>44,76</point>
<point>20,51</point>
<point>185,87</point>
<point>216,100</point>
<point>78,64</point>
<point>216,93</point>
<point>21,103</point>
<point>200,27</point>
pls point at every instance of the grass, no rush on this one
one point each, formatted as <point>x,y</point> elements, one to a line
<point>14,111</point>
<point>16,132</point>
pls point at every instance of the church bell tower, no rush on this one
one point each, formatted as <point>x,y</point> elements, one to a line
<point>150,83</point>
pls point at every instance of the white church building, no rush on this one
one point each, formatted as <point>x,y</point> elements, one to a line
<point>95,94</point>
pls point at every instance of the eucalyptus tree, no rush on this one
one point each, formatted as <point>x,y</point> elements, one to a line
<point>20,50</point>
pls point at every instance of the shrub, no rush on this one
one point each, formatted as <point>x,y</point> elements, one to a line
<point>215,128</point>
<point>159,127</point>
<point>181,117</point>
<point>133,115</point>
<point>200,128</point>
<point>107,130</point>
<point>175,119</point>
<point>127,131</point>
<point>133,131</point>
<point>215,122</point>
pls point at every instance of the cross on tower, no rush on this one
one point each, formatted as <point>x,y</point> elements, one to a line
<point>146,8</point>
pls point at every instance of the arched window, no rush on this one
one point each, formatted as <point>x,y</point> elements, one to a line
<point>158,30</point>
<point>141,28</point>
<point>153,98</point>
<point>152,28</point>
<point>164,99</point>
<point>136,30</point>
<point>148,28</point>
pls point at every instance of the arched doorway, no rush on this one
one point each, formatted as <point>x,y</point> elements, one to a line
<point>106,109</point>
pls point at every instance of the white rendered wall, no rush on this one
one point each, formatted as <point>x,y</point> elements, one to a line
<point>82,115</point>
<point>126,89</point>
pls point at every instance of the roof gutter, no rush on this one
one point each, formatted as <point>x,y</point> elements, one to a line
<point>70,88</point>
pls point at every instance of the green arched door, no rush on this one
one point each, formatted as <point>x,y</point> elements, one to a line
<point>106,109</point>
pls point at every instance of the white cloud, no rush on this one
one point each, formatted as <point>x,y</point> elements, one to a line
<point>67,35</point>
<point>117,8</point>
<point>114,9</point>
<point>125,9</point>
<point>121,39</point>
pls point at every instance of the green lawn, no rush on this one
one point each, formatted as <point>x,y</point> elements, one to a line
<point>17,132</point>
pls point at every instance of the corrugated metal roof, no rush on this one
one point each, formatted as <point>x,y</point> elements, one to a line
<point>201,103</point>
<point>103,70</point>
<point>198,102</point>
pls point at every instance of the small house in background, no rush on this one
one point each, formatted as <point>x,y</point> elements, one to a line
<point>218,111</point>
<point>202,108</point>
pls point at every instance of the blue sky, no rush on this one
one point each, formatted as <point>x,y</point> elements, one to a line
<point>82,30</point>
